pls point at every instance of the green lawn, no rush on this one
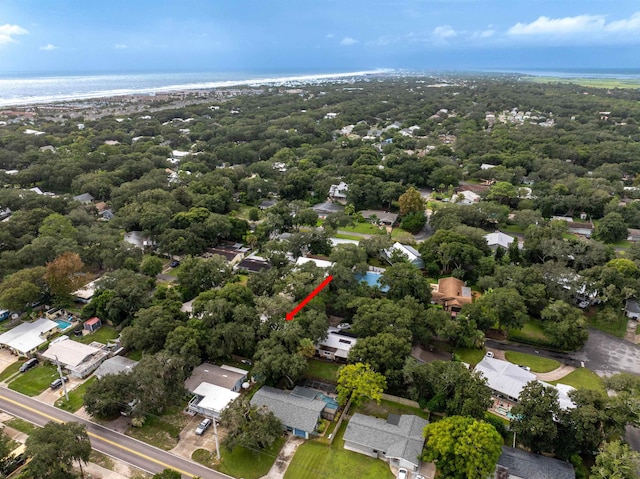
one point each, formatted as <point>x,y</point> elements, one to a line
<point>532,332</point>
<point>366,228</point>
<point>582,378</point>
<point>470,356</point>
<point>314,459</point>
<point>34,381</point>
<point>161,431</point>
<point>322,370</point>
<point>536,363</point>
<point>102,335</point>
<point>349,237</point>
<point>247,463</point>
<point>401,235</point>
<point>21,425</point>
<point>382,410</point>
<point>75,397</point>
<point>618,327</point>
<point>11,370</point>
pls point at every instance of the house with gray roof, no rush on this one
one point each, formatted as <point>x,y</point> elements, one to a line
<point>519,464</point>
<point>298,415</point>
<point>115,365</point>
<point>632,309</point>
<point>397,440</point>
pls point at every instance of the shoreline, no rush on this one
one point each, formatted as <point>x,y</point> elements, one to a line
<point>177,88</point>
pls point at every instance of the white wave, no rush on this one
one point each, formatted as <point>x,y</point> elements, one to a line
<point>19,97</point>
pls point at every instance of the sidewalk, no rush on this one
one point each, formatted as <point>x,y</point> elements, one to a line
<point>284,458</point>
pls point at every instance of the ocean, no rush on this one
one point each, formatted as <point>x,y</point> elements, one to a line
<point>21,89</point>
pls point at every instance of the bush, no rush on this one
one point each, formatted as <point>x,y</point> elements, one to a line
<point>496,422</point>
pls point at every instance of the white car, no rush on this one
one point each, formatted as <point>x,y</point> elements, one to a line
<point>489,354</point>
<point>402,473</point>
<point>203,426</point>
<point>342,326</point>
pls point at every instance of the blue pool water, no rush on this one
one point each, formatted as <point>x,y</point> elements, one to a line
<point>329,400</point>
<point>372,279</point>
<point>63,324</point>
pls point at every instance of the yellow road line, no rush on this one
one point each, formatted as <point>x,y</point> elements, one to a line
<point>96,436</point>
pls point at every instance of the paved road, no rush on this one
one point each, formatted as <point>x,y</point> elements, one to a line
<point>604,354</point>
<point>124,448</point>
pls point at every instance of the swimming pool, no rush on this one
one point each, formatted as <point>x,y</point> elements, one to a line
<point>372,279</point>
<point>331,402</point>
<point>62,324</point>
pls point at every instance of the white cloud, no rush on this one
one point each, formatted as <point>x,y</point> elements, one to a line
<point>631,24</point>
<point>560,26</point>
<point>48,47</point>
<point>348,41</point>
<point>8,32</point>
<point>330,35</point>
<point>444,31</point>
<point>485,33</point>
<point>121,46</point>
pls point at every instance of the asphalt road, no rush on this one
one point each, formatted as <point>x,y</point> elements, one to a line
<point>603,353</point>
<point>119,446</point>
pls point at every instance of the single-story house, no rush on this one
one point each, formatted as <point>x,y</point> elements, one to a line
<point>25,338</point>
<point>397,440</point>
<point>214,388</point>
<point>338,241</point>
<point>84,294</point>
<point>467,197</point>
<point>320,263</point>
<point>327,208</point>
<point>266,204</point>
<point>339,192</point>
<point>115,365</point>
<point>407,251</point>
<point>224,376</point>
<point>85,198</point>
<point>499,239</point>
<point>336,346</point>
<point>298,415</point>
<point>92,324</point>
<point>253,264</point>
<point>508,380</point>
<point>380,216</point>
<point>451,293</point>
<point>139,240</point>
<point>232,255</point>
<point>584,229</point>
<point>519,464</point>
<point>78,359</point>
<point>632,309</point>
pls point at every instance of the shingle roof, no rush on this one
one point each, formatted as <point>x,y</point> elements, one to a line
<point>632,306</point>
<point>293,411</point>
<point>404,440</point>
<point>534,466</point>
<point>115,365</point>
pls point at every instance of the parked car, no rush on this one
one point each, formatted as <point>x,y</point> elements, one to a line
<point>174,263</point>
<point>489,354</point>
<point>58,382</point>
<point>246,361</point>
<point>203,426</point>
<point>402,473</point>
<point>28,365</point>
<point>344,326</point>
<point>526,368</point>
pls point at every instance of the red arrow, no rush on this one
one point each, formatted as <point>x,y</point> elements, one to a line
<point>302,304</point>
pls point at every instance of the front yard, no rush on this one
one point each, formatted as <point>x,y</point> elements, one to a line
<point>247,463</point>
<point>582,378</point>
<point>75,397</point>
<point>314,459</point>
<point>34,381</point>
<point>161,431</point>
<point>536,363</point>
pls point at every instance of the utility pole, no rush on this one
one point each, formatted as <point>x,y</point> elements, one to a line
<point>215,435</point>
<point>64,383</point>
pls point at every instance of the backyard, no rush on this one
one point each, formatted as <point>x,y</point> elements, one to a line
<point>322,370</point>
<point>103,335</point>
<point>364,228</point>
<point>382,410</point>
<point>315,459</point>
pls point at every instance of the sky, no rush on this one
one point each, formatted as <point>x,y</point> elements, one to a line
<point>308,36</point>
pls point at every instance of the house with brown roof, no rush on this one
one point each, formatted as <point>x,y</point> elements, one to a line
<point>451,293</point>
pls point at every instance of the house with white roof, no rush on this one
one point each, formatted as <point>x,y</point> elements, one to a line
<point>336,346</point>
<point>467,197</point>
<point>412,255</point>
<point>339,192</point>
<point>214,388</point>
<point>25,338</point>
<point>508,380</point>
<point>78,359</point>
<point>84,294</point>
<point>320,263</point>
<point>499,239</point>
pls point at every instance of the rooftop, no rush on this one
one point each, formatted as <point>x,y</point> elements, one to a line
<point>70,353</point>
<point>224,376</point>
<point>115,365</point>
<point>27,336</point>
<point>295,412</point>
<point>525,465</point>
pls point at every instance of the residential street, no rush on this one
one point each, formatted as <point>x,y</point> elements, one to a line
<point>119,446</point>
<point>604,354</point>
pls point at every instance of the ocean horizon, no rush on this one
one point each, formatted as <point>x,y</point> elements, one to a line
<point>31,88</point>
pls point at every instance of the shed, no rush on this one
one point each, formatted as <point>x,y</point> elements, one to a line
<point>92,324</point>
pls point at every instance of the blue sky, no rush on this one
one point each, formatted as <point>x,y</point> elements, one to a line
<point>316,35</point>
